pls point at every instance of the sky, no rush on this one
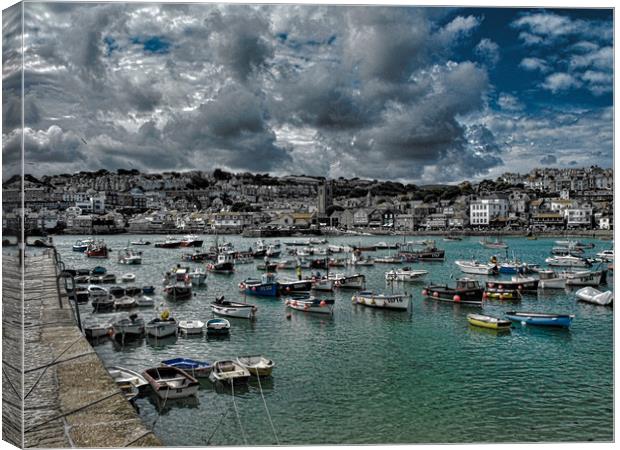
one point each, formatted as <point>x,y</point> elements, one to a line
<point>423,95</point>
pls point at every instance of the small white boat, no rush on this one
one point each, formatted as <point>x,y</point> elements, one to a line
<point>323,284</point>
<point>310,304</point>
<point>606,255</point>
<point>97,291</point>
<point>124,375</point>
<point>388,301</point>
<point>583,278</point>
<point>229,372</point>
<point>590,295</point>
<point>128,277</point>
<point>131,326</point>
<point>129,257</point>
<point>341,281</point>
<point>257,365</point>
<point>405,274</point>
<point>144,301</point>
<point>227,308</point>
<point>160,328</point>
<point>549,279</point>
<point>218,326</point>
<point>477,268</point>
<point>191,326</point>
<point>94,329</point>
<point>169,382</point>
<point>568,261</point>
<point>388,260</point>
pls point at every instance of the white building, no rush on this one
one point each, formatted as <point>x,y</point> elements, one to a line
<point>484,210</point>
<point>578,217</point>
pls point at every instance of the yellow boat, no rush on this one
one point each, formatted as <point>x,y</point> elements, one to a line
<point>494,323</point>
<point>501,294</point>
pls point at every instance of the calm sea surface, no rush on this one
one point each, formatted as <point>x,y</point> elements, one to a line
<point>367,376</point>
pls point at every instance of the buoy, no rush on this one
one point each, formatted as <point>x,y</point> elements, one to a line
<point>520,287</point>
<point>323,303</point>
<point>491,285</point>
<point>253,288</point>
<point>424,292</point>
<point>456,298</point>
<point>485,295</point>
<point>501,286</point>
<point>435,294</point>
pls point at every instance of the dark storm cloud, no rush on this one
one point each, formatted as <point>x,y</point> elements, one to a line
<point>366,91</point>
<point>548,160</point>
<point>241,40</point>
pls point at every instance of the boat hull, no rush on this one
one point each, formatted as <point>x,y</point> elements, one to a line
<point>488,322</point>
<point>541,320</point>
<point>232,311</point>
<point>395,302</point>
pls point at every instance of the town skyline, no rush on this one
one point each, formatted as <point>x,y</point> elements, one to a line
<point>410,94</point>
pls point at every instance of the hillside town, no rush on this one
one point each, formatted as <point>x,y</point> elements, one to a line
<point>102,202</point>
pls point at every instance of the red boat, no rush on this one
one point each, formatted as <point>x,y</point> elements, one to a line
<point>97,250</point>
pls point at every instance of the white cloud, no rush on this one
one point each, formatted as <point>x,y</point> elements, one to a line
<point>560,81</point>
<point>533,63</point>
<point>509,102</point>
<point>488,50</point>
<point>459,27</point>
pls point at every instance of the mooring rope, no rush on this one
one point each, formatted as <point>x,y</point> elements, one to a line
<point>232,386</point>
<point>49,365</point>
<point>260,387</point>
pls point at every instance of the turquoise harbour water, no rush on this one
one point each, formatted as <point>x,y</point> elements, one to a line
<point>366,376</point>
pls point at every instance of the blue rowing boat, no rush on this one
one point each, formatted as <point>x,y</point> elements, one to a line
<point>199,369</point>
<point>267,286</point>
<point>541,319</point>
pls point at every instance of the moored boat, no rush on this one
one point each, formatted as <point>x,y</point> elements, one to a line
<point>125,302</point>
<point>494,323</point>
<point>128,278</point>
<point>129,327</point>
<point>523,284</point>
<point>267,286</point>
<point>95,329</point>
<point>97,249</point>
<point>257,365</point>
<point>584,278</point>
<point>291,286</point>
<point>568,261</point>
<point>476,268</point>
<point>129,257</point>
<point>144,301</point>
<point>501,294</point>
<point>227,308</point>
<point>190,240</point>
<point>178,291</point>
<point>229,372</point>
<point>170,382</point>
<point>224,264</point>
<point>590,295</point>
<point>310,304</point>
<point>82,245</point>
<point>170,242</point>
<point>197,369</point>
<point>124,375</point>
<point>467,292</point>
<point>399,302</point>
<point>541,319</point>
<point>140,242</point>
<point>549,279</point>
<point>218,327</point>
<point>341,281</point>
<point>496,244</point>
<point>161,327</point>
<point>405,274</point>
<point>191,326</point>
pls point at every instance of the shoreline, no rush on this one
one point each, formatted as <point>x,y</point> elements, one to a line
<point>594,234</point>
